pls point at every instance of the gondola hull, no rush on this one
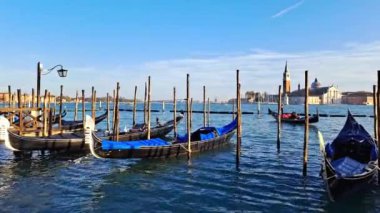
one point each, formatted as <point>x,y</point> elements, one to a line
<point>339,188</point>
<point>174,150</point>
<point>69,142</point>
<point>312,119</point>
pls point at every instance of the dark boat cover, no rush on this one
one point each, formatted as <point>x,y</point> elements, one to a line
<point>126,145</point>
<point>206,133</point>
<point>352,149</point>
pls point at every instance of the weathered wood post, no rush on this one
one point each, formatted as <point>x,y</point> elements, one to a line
<point>374,112</point>
<point>117,116</point>
<point>134,107</point>
<point>20,114</point>
<point>188,116</point>
<point>204,106</point>
<point>33,97</point>
<point>83,107</point>
<point>50,127</point>
<point>92,103</point>
<point>149,89</point>
<point>306,138</point>
<point>114,110</point>
<point>9,96</point>
<point>45,114</point>
<point>378,118</point>
<point>145,97</point>
<point>174,113</point>
<point>108,112</point>
<point>238,132</point>
<point>60,108</point>
<point>39,70</point>
<point>76,106</point>
<point>208,114</point>
<point>279,114</point>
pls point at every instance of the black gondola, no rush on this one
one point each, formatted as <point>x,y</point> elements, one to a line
<point>294,119</point>
<point>349,161</point>
<point>206,138</point>
<point>140,131</point>
<point>78,125</point>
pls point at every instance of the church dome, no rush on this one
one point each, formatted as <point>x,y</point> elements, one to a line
<point>315,84</point>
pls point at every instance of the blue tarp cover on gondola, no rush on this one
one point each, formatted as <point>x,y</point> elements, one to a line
<point>352,147</point>
<point>126,145</point>
<point>209,132</point>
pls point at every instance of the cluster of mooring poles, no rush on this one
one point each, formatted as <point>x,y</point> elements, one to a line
<point>306,129</point>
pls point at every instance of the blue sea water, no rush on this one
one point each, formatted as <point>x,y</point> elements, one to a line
<point>266,181</point>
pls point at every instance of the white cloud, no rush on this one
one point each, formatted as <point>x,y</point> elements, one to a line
<point>288,9</point>
<point>353,67</point>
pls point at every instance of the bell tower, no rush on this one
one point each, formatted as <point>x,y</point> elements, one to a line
<point>286,80</point>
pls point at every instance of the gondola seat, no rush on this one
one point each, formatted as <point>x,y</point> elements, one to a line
<point>346,167</point>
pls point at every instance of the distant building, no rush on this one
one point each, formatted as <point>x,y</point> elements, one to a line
<point>359,98</point>
<point>4,97</point>
<point>317,95</point>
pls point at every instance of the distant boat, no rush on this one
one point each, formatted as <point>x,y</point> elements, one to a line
<point>350,161</point>
<point>294,119</point>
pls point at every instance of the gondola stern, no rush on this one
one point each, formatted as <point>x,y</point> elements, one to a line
<point>4,134</point>
<point>88,135</point>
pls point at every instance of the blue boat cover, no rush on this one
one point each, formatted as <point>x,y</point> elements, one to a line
<point>353,141</point>
<point>127,145</point>
<point>347,167</point>
<point>221,131</point>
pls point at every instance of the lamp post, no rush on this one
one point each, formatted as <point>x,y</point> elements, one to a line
<point>61,73</point>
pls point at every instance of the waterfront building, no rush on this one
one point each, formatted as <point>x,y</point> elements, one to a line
<point>360,98</point>
<point>317,94</point>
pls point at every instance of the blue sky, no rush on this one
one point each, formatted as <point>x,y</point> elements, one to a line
<point>102,42</point>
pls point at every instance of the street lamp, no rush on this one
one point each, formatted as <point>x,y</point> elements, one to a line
<point>61,73</point>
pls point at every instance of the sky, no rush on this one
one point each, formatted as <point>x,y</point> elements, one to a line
<point>102,42</point>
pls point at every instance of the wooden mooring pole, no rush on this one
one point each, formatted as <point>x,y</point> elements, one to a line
<point>374,112</point>
<point>9,96</point>
<point>204,106</point>
<point>145,97</point>
<point>60,108</point>
<point>92,103</point>
<point>306,135</point>
<point>378,119</point>
<point>108,112</point>
<point>174,113</point>
<point>33,97</point>
<point>238,132</point>
<point>76,106</point>
<point>83,108</point>
<point>45,116</point>
<point>117,115</point>
<point>20,115</point>
<point>188,116</point>
<point>279,114</point>
<point>134,107</point>
<point>149,107</point>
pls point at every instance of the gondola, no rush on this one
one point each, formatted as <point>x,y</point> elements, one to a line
<point>78,125</point>
<point>203,139</point>
<point>287,118</point>
<point>140,131</point>
<point>55,119</point>
<point>349,161</point>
